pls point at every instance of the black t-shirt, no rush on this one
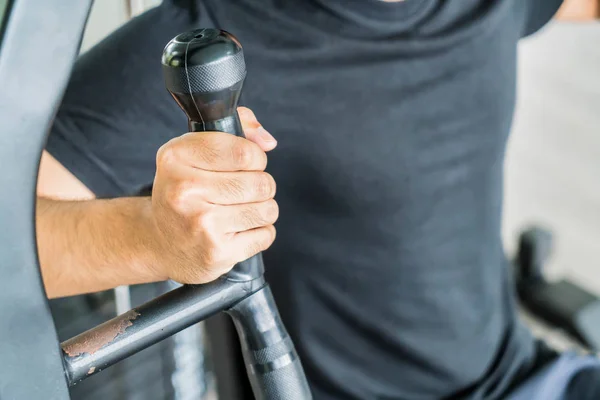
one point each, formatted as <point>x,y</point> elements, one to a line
<point>392,120</point>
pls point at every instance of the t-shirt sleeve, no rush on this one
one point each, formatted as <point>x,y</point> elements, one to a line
<point>538,13</point>
<point>116,112</point>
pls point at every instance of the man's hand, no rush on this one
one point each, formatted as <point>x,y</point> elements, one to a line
<point>212,206</point>
<point>212,202</point>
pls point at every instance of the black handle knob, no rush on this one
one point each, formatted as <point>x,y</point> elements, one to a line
<point>204,71</point>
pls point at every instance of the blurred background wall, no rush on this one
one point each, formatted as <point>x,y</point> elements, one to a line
<point>107,15</point>
<point>553,163</point>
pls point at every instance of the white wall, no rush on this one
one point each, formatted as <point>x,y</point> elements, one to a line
<point>108,15</point>
<point>105,17</point>
<point>553,165</point>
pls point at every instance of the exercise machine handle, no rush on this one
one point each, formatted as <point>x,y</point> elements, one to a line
<point>204,71</point>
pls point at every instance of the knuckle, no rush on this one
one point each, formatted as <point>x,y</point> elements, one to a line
<point>262,162</point>
<point>242,154</point>
<point>166,154</point>
<point>205,224</point>
<point>271,211</point>
<point>265,185</point>
<point>177,197</point>
<point>202,190</point>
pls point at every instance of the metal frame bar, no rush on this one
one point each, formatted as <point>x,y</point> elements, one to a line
<point>109,343</point>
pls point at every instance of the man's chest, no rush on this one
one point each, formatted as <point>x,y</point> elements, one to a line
<point>372,115</point>
<point>373,123</point>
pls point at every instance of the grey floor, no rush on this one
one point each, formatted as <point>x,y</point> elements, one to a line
<point>553,163</point>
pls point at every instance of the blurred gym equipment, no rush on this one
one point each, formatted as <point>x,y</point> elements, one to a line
<point>560,304</point>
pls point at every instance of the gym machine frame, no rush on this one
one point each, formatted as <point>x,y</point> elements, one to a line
<point>35,65</point>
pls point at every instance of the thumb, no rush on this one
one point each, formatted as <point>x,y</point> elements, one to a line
<point>254,131</point>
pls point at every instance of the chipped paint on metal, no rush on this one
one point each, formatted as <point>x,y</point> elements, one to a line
<point>92,341</point>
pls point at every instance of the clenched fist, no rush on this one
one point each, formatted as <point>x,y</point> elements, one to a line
<point>212,202</point>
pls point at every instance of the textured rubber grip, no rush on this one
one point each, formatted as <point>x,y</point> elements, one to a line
<point>211,77</point>
<point>273,366</point>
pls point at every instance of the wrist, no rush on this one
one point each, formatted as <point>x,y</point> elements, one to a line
<point>146,244</point>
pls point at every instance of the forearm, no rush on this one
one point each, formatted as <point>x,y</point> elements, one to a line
<point>88,246</point>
